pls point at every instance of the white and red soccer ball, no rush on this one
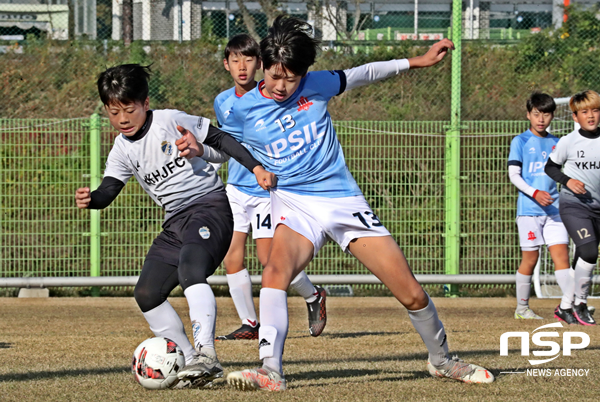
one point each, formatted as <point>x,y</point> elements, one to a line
<point>156,362</point>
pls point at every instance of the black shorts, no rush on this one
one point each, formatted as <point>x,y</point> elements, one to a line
<point>207,222</point>
<point>583,224</point>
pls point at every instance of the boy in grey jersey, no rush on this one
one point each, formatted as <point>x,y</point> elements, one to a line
<point>579,154</point>
<point>166,160</point>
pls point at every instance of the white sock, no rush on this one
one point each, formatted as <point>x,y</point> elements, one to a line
<point>304,287</point>
<point>583,279</point>
<point>431,329</point>
<point>203,314</point>
<point>240,289</point>
<point>165,322</point>
<point>523,291</point>
<point>564,277</point>
<point>273,327</point>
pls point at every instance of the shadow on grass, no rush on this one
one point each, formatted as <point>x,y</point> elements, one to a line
<point>5,345</point>
<point>345,374</point>
<point>42,375</point>
<point>344,335</point>
<point>463,354</point>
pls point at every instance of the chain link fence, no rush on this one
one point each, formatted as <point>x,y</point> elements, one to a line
<point>400,136</point>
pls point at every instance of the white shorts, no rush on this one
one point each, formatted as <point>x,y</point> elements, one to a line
<point>319,218</point>
<point>535,231</point>
<point>250,212</point>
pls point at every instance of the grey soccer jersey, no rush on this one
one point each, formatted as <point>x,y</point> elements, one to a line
<point>580,158</point>
<point>172,181</point>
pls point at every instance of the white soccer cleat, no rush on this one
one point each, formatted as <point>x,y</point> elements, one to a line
<point>200,372</point>
<point>457,369</point>
<point>262,379</point>
<point>528,314</point>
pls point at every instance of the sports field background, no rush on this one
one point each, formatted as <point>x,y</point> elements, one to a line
<point>79,349</point>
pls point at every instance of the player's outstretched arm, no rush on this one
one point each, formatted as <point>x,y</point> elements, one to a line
<point>373,72</point>
<point>434,55</point>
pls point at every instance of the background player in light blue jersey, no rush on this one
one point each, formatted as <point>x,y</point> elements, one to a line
<point>538,218</point>
<point>286,123</point>
<point>251,207</point>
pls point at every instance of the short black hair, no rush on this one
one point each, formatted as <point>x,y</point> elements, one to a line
<point>542,102</point>
<point>290,44</point>
<point>243,44</point>
<point>125,84</point>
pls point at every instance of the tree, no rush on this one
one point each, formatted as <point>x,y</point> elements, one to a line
<point>335,14</point>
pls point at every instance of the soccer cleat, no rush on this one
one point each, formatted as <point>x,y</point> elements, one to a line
<point>262,378</point>
<point>244,332</point>
<point>565,315</point>
<point>583,315</point>
<point>528,314</point>
<point>457,369</point>
<point>592,309</point>
<point>317,313</point>
<point>189,384</point>
<point>201,371</point>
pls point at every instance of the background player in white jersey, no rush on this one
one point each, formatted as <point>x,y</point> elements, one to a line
<point>286,122</point>
<point>579,154</point>
<point>538,219</point>
<point>198,222</point>
<point>251,207</point>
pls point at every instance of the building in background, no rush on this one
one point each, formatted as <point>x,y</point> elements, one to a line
<point>183,20</point>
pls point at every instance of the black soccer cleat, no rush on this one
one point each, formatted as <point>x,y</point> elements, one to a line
<point>317,313</point>
<point>244,332</point>
<point>583,315</point>
<point>565,315</point>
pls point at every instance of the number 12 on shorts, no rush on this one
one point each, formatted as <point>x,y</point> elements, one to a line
<point>361,217</point>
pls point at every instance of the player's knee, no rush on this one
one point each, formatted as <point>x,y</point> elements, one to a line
<point>588,252</point>
<point>146,297</point>
<point>234,262</point>
<point>415,299</point>
<point>195,265</point>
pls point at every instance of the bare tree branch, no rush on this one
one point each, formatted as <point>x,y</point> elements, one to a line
<point>270,9</point>
<point>248,20</point>
<point>330,12</point>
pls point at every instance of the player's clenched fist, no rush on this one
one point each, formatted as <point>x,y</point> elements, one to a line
<point>266,180</point>
<point>82,197</point>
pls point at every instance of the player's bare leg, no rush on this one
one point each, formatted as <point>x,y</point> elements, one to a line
<point>384,258</point>
<point>290,254</point>
<point>240,288</point>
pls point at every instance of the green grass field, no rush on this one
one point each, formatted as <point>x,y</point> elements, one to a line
<point>79,349</point>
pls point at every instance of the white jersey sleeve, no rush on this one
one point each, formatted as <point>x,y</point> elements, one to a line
<point>514,174</point>
<point>213,155</point>
<point>373,72</point>
<point>117,165</point>
<point>198,126</point>
<point>560,153</point>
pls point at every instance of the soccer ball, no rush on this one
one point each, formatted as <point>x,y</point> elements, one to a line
<point>156,362</point>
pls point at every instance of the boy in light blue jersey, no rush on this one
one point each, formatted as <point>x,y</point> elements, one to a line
<point>251,207</point>
<point>286,123</point>
<point>538,218</point>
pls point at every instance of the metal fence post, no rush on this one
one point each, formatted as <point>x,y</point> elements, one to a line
<point>452,157</point>
<point>95,178</point>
